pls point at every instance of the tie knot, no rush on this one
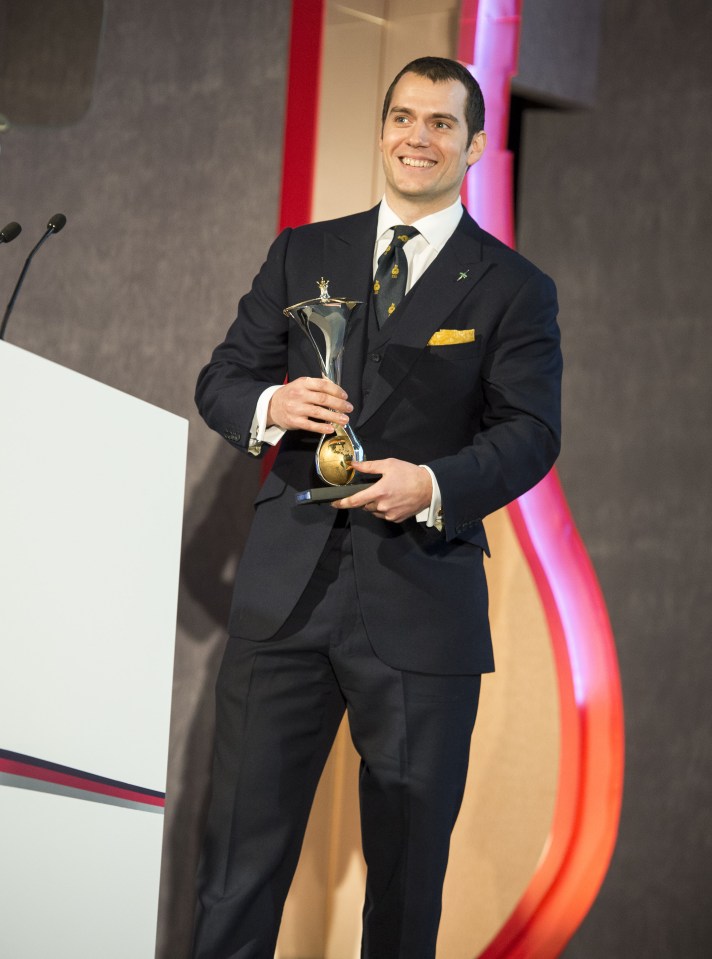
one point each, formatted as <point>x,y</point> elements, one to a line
<point>401,235</point>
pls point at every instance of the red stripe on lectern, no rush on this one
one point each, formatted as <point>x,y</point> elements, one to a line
<point>42,771</point>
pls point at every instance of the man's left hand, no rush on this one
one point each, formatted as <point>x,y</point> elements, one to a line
<point>403,490</point>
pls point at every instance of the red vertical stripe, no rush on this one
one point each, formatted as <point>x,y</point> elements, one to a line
<point>302,112</point>
<point>301,119</point>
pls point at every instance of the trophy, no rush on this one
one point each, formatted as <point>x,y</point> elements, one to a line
<point>324,320</point>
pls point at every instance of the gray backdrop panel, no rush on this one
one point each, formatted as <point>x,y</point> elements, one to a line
<point>615,204</point>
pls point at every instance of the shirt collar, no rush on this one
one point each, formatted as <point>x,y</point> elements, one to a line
<point>436,228</point>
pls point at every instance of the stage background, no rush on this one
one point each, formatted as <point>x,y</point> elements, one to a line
<point>170,184</point>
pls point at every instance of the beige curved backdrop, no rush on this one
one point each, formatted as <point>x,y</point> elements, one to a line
<point>509,801</point>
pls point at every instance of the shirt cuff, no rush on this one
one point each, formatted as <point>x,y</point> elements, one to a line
<point>432,515</point>
<point>259,431</point>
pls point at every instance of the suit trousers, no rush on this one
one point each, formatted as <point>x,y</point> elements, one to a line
<point>279,705</point>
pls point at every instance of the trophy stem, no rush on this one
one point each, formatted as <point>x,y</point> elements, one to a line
<point>358,454</point>
<point>324,370</point>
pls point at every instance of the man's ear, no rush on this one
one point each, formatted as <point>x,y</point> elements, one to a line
<point>477,147</point>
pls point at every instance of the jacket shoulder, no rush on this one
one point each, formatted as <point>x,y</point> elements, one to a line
<point>513,264</point>
<point>354,223</point>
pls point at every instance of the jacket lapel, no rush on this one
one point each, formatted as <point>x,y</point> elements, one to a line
<point>348,259</point>
<point>446,282</point>
<point>348,255</point>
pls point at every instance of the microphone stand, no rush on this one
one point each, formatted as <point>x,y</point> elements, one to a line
<point>54,226</point>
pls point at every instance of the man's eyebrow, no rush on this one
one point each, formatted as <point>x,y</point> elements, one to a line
<point>444,116</point>
<point>432,116</point>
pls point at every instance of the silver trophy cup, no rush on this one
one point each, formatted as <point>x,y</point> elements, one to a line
<point>324,321</point>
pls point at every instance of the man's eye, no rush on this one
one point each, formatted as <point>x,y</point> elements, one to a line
<point>442,125</point>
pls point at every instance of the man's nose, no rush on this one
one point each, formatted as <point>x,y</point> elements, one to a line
<point>418,134</point>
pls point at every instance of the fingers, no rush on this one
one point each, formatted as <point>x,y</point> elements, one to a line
<point>369,466</point>
<point>361,500</point>
<point>403,490</point>
<point>325,386</point>
<point>373,503</point>
<point>366,498</point>
<point>309,403</point>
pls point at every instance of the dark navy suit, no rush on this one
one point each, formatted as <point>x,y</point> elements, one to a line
<point>484,415</point>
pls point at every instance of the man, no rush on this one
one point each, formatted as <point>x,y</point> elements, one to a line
<point>376,604</point>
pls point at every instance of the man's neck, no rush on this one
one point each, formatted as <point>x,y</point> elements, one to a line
<point>409,212</point>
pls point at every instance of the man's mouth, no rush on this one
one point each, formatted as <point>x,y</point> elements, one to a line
<point>411,161</point>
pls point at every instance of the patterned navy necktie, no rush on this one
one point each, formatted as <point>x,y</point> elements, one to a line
<point>392,274</point>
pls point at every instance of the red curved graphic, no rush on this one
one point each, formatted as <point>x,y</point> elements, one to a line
<point>585,823</point>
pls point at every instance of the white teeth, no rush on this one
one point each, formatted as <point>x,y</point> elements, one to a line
<point>408,161</point>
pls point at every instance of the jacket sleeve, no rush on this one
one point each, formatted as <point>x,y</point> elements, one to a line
<point>519,434</point>
<point>253,355</point>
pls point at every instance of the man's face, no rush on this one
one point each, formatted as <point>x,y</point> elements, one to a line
<point>424,145</point>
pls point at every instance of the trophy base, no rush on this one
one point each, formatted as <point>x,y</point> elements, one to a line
<point>327,494</point>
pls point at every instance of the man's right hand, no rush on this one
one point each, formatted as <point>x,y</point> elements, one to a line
<point>308,403</point>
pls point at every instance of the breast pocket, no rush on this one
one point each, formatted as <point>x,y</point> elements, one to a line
<point>452,370</point>
<point>455,351</point>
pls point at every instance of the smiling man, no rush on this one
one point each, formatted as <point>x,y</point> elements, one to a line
<point>377,604</point>
<point>428,141</point>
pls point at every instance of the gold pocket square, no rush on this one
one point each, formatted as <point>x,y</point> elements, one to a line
<point>449,337</point>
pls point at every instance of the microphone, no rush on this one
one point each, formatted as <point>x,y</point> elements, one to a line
<point>54,225</point>
<point>9,232</point>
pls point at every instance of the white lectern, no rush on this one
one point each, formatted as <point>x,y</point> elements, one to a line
<point>91,501</point>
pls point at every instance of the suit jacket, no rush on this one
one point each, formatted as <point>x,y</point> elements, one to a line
<point>483,415</point>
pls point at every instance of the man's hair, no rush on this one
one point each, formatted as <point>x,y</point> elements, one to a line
<point>440,70</point>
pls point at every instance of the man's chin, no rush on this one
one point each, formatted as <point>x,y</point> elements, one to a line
<point>421,195</point>
<point>414,190</point>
